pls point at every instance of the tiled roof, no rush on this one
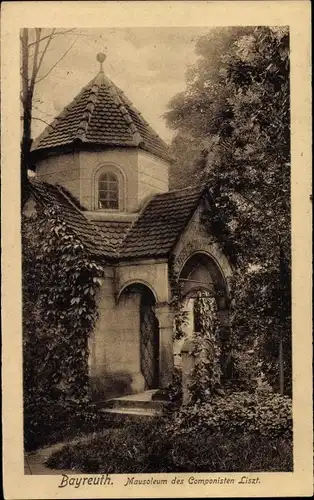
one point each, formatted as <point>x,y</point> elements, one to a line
<point>153,234</point>
<point>101,115</point>
<point>160,224</point>
<point>90,236</point>
<point>114,231</point>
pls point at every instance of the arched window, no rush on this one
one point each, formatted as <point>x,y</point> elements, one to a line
<point>108,191</point>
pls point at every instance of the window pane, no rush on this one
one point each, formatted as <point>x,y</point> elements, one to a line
<point>113,204</point>
<point>113,184</point>
<point>113,193</point>
<point>108,191</point>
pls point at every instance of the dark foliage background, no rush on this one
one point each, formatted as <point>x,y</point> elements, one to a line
<point>232,128</point>
<point>60,281</point>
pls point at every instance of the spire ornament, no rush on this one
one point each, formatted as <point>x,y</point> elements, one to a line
<point>101,57</point>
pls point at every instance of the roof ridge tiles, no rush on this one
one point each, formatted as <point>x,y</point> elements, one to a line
<point>54,195</point>
<point>160,236</point>
<point>200,187</point>
<point>82,213</point>
<point>126,115</point>
<point>87,114</point>
<point>101,113</point>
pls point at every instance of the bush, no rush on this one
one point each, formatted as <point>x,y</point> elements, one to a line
<point>150,446</point>
<point>174,389</point>
<point>205,452</point>
<point>263,414</point>
<point>47,421</point>
<point>137,447</point>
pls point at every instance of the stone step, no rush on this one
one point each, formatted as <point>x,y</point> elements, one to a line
<point>140,404</point>
<point>131,411</point>
<point>134,404</point>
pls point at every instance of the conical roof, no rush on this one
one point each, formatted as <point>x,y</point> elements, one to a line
<point>100,115</point>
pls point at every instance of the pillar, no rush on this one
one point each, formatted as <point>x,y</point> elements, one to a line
<point>165,319</point>
<point>188,364</point>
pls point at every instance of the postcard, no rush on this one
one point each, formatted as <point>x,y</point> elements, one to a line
<point>156,201</point>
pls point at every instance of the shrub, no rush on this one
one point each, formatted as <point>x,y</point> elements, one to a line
<point>151,446</point>
<point>60,282</point>
<point>262,414</point>
<point>48,420</point>
<point>207,452</point>
<point>174,389</point>
<point>137,447</point>
<point>207,371</point>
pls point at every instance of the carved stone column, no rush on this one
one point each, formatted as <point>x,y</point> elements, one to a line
<point>165,317</point>
<point>188,364</point>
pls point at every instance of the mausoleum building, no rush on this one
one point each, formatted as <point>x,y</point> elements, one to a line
<point>108,171</point>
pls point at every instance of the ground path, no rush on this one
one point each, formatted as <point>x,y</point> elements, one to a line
<point>34,462</point>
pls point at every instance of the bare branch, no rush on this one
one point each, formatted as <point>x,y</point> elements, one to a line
<point>59,60</point>
<point>41,120</point>
<point>43,112</point>
<point>24,64</point>
<point>45,49</point>
<point>53,35</point>
<point>35,62</point>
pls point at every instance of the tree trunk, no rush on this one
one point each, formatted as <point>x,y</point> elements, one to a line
<point>27,117</point>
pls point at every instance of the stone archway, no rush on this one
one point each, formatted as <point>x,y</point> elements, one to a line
<point>200,273</point>
<point>146,349</point>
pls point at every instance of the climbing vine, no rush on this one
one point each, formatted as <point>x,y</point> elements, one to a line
<point>207,371</point>
<point>60,282</point>
<point>177,302</point>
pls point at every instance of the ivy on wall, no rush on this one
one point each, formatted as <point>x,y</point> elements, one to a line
<point>60,282</point>
<point>177,301</point>
<point>207,370</point>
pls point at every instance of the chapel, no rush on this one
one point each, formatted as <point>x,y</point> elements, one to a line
<point>107,170</point>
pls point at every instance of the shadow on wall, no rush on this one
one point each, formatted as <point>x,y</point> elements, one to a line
<point>111,385</point>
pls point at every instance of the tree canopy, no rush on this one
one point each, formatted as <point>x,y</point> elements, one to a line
<point>236,112</point>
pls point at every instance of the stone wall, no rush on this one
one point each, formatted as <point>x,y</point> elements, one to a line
<point>115,344</point>
<point>153,176</point>
<point>63,169</point>
<point>140,175</point>
<point>150,272</point>
<point>196,239</point>
<point>124,162</point>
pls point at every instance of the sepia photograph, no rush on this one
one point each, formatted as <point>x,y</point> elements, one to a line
<point>156,250</point>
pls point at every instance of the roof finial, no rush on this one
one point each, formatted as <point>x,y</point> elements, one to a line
<point>101,57</point>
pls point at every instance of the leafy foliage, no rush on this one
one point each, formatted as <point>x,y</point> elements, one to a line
<point>177,302</point>
<point>207,371</point>
<point>137,447</point>
<point>60,282</point>
<point>207,452</point>
<point>174,389</point>
<point>237,106</point>
<point>266,414</point>
<point>194,439</point>
<point>260,321</point>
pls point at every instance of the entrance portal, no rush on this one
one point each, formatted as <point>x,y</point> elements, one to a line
<point>201,274</point>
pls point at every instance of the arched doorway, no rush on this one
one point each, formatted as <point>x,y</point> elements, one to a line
<point>149,340</point>
<point>200,274</point>
<point>148,343</point>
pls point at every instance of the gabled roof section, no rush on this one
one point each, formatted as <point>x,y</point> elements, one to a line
<point>100,115</point>
<point>160,224</point>
<point>93,240</point>
<point>114,231</point>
